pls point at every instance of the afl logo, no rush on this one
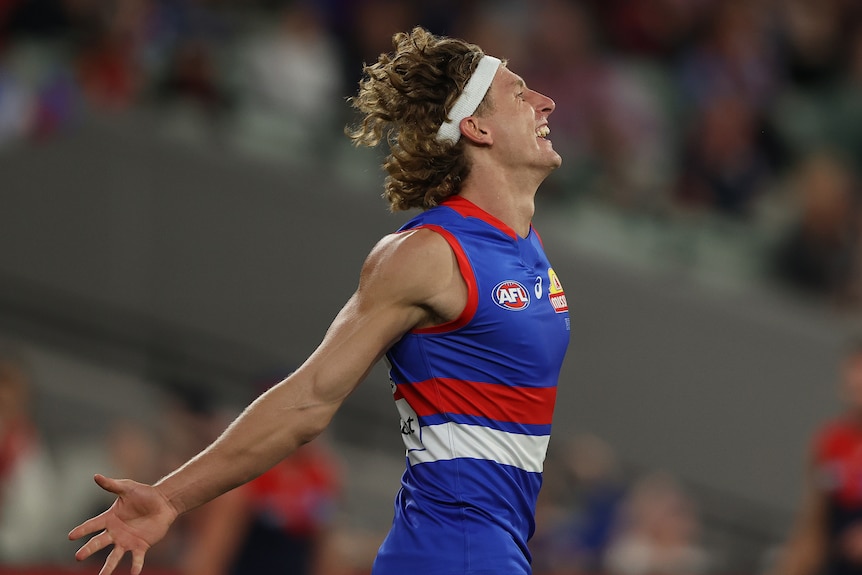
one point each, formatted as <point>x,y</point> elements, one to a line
<point>511,295</point>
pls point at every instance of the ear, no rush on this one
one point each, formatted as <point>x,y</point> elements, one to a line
<point>474,130</point>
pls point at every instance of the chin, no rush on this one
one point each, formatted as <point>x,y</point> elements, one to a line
<point>552,153</point>
<point>556,161</point>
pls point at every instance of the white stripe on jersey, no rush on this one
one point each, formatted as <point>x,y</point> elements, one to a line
<point>456,440</point>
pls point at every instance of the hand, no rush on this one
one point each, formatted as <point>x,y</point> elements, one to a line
<point>140,517</point>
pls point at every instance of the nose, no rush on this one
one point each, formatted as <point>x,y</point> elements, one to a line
<point>543,103</point>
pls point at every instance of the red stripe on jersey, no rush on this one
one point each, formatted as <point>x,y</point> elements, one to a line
<point>538,237</point>
<point>470,210</point>
<point>469,278</point>
<point>525,405</point>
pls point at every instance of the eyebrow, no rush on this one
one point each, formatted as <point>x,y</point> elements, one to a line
<point>519,83</point>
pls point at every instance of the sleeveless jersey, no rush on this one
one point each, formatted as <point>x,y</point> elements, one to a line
<point>476,398</point>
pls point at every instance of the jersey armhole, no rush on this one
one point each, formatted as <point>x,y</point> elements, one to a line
<point>469,278</point>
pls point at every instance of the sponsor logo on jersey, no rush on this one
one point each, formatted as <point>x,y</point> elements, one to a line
<point>556,295</point>
<point>511,295</point>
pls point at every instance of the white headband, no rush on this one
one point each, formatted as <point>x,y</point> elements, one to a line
<point>464,106</point>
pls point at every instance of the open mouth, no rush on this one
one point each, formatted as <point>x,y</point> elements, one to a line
<point>543,131</point>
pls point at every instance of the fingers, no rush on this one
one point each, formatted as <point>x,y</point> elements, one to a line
<point>97,523</point>
<point>113,485</point>
<point>120,488</point>
<point>137,562</point>
<point>95,544</point>
<point>92,525</point>
<point>101,541</point>
<point>112,561</point>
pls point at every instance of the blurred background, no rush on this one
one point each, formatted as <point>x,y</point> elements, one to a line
<point>181,217</point>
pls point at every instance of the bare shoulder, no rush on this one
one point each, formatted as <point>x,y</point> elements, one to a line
<point>408,247</point>
<point>418,268</point>
<point>412,258</point>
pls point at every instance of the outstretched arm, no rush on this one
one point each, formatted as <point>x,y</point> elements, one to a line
<point>408,280</point>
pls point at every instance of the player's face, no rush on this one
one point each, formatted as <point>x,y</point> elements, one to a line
<point>519,122</point>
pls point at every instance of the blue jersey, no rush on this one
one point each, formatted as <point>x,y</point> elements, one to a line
<point>476,398</point>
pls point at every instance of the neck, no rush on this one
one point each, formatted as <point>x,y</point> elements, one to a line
<point>507,199</point>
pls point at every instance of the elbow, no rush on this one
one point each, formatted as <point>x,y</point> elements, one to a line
<point>305,404</point>
<point>310,431</point>
<point>313,422</point>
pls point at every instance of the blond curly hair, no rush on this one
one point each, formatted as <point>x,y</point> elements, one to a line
<point>404,97</point>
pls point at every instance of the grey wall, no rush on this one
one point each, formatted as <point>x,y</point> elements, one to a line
<point>722,388</point>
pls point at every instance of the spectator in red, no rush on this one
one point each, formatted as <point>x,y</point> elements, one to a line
<point>26,472</point>
<point>827,539</point>
<point>282,522</point>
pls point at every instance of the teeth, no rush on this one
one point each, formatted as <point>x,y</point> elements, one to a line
<point>543,132</point>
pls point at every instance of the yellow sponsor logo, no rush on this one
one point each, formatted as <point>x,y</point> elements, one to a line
<point>555,292</point>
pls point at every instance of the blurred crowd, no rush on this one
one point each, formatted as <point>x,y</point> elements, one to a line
<point>749,111</point>
<point>593,516</point>
<point>287,520</point>
<point>744,110</point>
